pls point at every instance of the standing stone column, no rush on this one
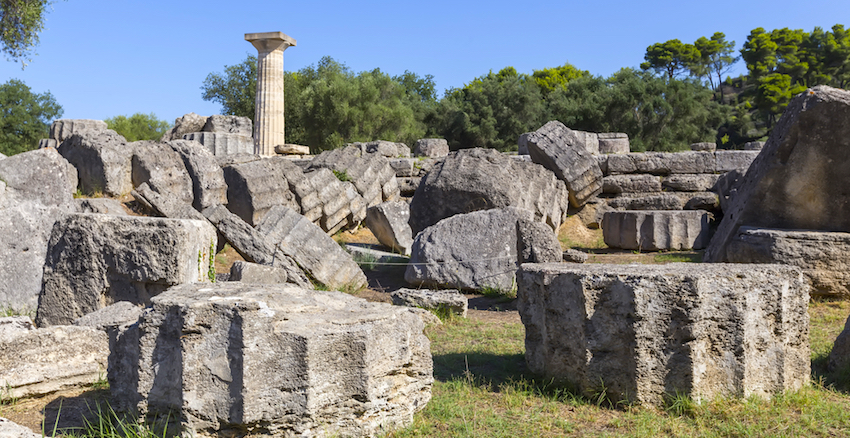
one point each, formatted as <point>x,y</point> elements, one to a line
<point>269,122</point>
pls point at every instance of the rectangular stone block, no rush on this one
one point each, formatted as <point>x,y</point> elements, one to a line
<point>631,184</point>
<point>645,333</point>
<point>662,163</point>
<point>689,183</point>
<point>656,230</point>
<point>731,160</point>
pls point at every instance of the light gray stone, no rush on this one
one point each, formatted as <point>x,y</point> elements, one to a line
<point>12,327</point>
<point>222,143</point>
<point>103,160</point>
<point>478,179</point>
<point>255,187</point>
<point>704,146</point>
<point>407,186</point>
<point>208,185</point>
<point>41,176</point>
<point>450,300</point>
<point>426,164</point>
<point>389,223</point>
<point>292,149</point>
<point>162,168</point>
<point>100,206</point>
<point>839,357</point>
<point>645,333</point>
<point>51,359</point>
<point>333,204</point>
<point>187,124</point>
<point>370,173</point>
<point>248,272</point>
<point>689,183</point>
<point>9,429</point>
<point>662,163</point>
<point>164,205</point>
<point>522,143</point>
<point>797,181</point>
<point>537,243</point>
<point>229,125</point>
<point>824,257</point>
<point>365,255</point>
<point>753,145</point>
<point>468,251</point>
<point>590,140</point>
<point>384,148</point>
<point>563,151</point>
<point>431,148</point>
<point>731,160</point>
<point>665,201</point>
<point>656,230</point>
<point>727,186</point>
<point>275,359</point>
<point>111,317</point>
<point>613,143</point>
<point>63,129</point>
<point>616,184</point>
<point>574,256</point>
<point>47,143</point>
<point>94,260</point>
<point>403,166</point>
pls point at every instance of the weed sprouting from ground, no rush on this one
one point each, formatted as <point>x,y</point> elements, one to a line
<point>342,175</point>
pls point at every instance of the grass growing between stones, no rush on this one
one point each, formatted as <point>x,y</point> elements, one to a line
<point>685,257</point>
<point>483,388</point>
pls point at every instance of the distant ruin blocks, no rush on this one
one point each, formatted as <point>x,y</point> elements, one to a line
<point>646,332</point>
<point>654,230</point>
<point>273,359</point>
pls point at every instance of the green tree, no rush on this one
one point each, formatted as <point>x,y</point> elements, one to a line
<point>26,117</point>
<point>20,23</point>
<point>138,126</point>
<point>551,78</point>
<point>671,57</point>
<point>715,57</point>
<point>236,89</point>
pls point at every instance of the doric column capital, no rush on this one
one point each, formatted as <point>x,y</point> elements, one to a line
<point>266,42</point>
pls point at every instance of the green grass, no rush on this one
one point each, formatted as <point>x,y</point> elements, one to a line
<point>673,257</point>
<point>499,293</point>
<point>11,311</point>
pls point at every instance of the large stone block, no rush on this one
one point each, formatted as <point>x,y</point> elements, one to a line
<point>9,429</point>
<point>94,260</point>
<point>277,360</point>
<point>444,300</point>
<point>103,161</point>
<point>162,168</point>
<point>478,179</point>
<point>656,230</point>
<point>662,163</point>
<point>207,176</point>
<point>256,186</point>
<point>839,357</point>
<point>42,176</point>
<point>613,143</point>
<point>383,148</point>
<point>223,143</point>
<point>370,173</point>
<point>63,129</point>
<point>824,257</point>
<point>229,125</point>
<point>389,223</point>
<point>644,333</point>
<point>665,201</point>
<point>563,151</point>
<point>187,124</point>
<point>431,148</point>
<point>732,160</point>
<point>798,180</point>
<point>689,183</point>
<point>616,184</point>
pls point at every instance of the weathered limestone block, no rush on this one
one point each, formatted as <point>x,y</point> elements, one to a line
<point>292,149</point>
<point>111,317</point>
<point>63,129</point>
<point>314,251</point>
<point>407,186</point>
<point>590,140</point>
<point>222,143</point>
<point>574,256</point>
<point>839,357</point>
<point>187,124</point>
<point>731,160</point>
<point>665,201</point>
<point>450,300</point>
<point>563,151</point>
<point>649,332</point>
<point>256,186</point>
<point>689,183</point>
<point>656,230</point>
<point>94,260</point>
<point>103,161</point>
<point>616,184</point>
<point>389,223</point>
<point>100,206</point>
<point>613,143</point>
<point>45,360</point>
<point>9,429</point>
<point>701,201</point>
<point>277,360</point>
<point>753,145</point>
<point>824,257</point>
<point>42,176</point>
<point>207,177</point>
<point>162,168</point>
<point>798,180</point>
<point>164,205</point>
<point>426,164</point>
<point>333,204</point>
<point>403,166</point>
<point>431,148</point>
<point>704,146</point>
<point>468,251</point>
<point>371,174</point>
<point>248,272</point>
<point>662,163</point>
<point>229,125</point>
<point>537,243</point>
<point>727,186</point>
<point>13,326</point>
<point>48,143</point>
<point>478,179</point>
<point>384,148</point>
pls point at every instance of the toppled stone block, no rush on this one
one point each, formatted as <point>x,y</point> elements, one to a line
<point>111,317</point>
<point>103,161</point>
<point>839,357</point>
<point>247,272</point>
<point>256,186</point>
<point>100,206</point>
<point>590,141</point>
<point>94,260</point>
<point>292,149</point>
<point>187,124</point>
<point>47,143</point>
<point>277,360</point>
<point>689,183</point>
<point>731,160</point>
<point>63,129</point>
<point>162,168</point>
<point>704,146</point>
<point>404,167</point>
<point>616,184</point>
<point>562,151</point>
<point>222,143</point>
<point>450,300</point>
<point>46,360</point>
<point>389,223</point>
<point>613,143</point>
<point>468,251</point>
<point>656,230</point>
<point>42,176</point>
<point>662,163</point>
<point>407,186</point>
<point>229,125</point>
<point>370,173</point>
<point>665,201</point>
<point>824,257</point>
<point>431,148</point>
<point>383,148</point>
<point>536,243</point>
<point>164,205</point>
<point>797,181</point>
<point>645,333</point>
<point>207,177</point>
<point>574,256</point>
<point>478,179</point>
<point>329,202</point>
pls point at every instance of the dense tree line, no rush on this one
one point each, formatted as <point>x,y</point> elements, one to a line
<point>26,116</point>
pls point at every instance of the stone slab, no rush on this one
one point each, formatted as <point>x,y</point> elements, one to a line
<point>450,300</point>
<point>731,160</point>
<point>656,230</point>
<point>563,151</point>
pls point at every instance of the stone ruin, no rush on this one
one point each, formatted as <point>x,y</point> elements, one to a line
<point>468,219</point>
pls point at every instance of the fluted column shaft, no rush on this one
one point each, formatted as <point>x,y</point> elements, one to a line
<point>269,115</point>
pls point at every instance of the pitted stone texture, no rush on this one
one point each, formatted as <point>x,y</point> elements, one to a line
<point>111,317</point>
<point>63,129</point>
<point>329,202</point>
<point>46,360</point>
<point>704,146</point>
<point>371,174</point>
<point>9,429</point>
<point>522,143</point>
<point>537,243</point>
<point>616,184</point>
<point>280,360</point>
<point>839,357</point>
<point>389,223</point>
<point>229,125</point>
<point>164,205</point>
<point>731,160</point>
<point>662,163</point>
<point>42,176</point>
<point>255,273</point>
<point>824,257</point>
<point>314,251</point>
<point>103,160</point>
<point>590,140</point>
<point>450,300</point>
<point>222,143</point>
<point>384,148</point>
<point>648,332</point>
<point>665,201</point>
<point>613,143</point>
<point>468,251</point>
<point>187,124</point>
<point>13,326</point>
<point>574,256</point>
<point>94,260</point>
<point>255,187</point>
<point>407,186</point>
<point>158,165</point>
<point>563,151</point>
<point>207,177</point>
<point>478,179</point>
<point>689,183</point>
<point>100,206</point>
<point>656,230</point>
<point>426,164</point>
<point>798,180</point>
<point>431,148</point>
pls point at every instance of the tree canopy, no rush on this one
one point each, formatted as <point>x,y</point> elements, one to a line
<point>26,117</point>
<point>139,126</point>
<point>20,23</point>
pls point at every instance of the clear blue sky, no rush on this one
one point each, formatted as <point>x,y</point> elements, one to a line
<point>102,58</point>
